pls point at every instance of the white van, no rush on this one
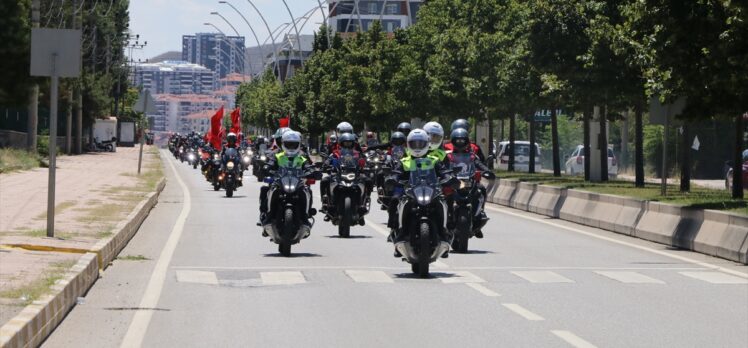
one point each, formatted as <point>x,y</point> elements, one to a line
<point>521,156</point>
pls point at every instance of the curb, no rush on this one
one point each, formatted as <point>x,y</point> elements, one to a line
<point>37,321</point>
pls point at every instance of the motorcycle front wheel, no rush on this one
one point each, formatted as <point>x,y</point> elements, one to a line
<point>284,247</point>
<point>462,237</point>
<point>344,228</point>
<point>421,268</point>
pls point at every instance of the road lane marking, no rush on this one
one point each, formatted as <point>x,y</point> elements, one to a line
<point>460,277</point>
<point>630,277</point>
<point>715,277</point>
<point>359,276</point>
<point>559,268</point>
<point>620,242</point>
<point>282,278</point>
<point>542,277</point>
<point>483,290</point>
<point>573,339</point>
<point>521,311</point>
<point>199,277</point>
<point>140,322</point>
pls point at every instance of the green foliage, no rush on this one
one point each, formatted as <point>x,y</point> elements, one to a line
<point>15,51</point>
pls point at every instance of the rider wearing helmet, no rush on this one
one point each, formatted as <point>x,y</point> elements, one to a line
<point>371,140</point>
<point>404,128</point>
<point>464,124</point>
<point>346,145</point>
<point>332,142</point>
<point>289,156</point>
<point>436,138</point>
<point>277,138</point>
<point>460,140</point>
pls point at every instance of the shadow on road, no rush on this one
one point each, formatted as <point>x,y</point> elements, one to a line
<point>350,237</point>
<point>432,275</point>
<point>293,255</point>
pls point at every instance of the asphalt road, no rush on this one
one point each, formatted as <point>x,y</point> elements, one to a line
<point>211,279</point>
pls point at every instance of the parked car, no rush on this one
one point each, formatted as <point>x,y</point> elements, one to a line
<point>575,162</point>
<point>521,156</point>
<point>729,175</point>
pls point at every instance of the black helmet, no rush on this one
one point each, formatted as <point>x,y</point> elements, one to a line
<point>231,138</point>
<point>397,139</point>
<point>404,128</point>
<point>347,140</point>
<point>461,123</point>
<point>460,139</point>
<point>260,140</point>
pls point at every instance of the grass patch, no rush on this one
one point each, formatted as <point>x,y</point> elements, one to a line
<point>133,258</point>
<point>41,233</point>
<point>38,288</point>
<point>103,213</point>
<point>699,197</point>
<point>58,209</point>
<point>15,160</point>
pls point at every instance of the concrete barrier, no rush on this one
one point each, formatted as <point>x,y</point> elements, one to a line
<point>723,235</point>
<point>547,200</point>
<point>612,213</point>
<point>505,192</point>
<point>522,196</point>
<point>659,223</point>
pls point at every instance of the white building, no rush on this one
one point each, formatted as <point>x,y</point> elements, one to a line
<point>174,110</point>
<point>350,16</point>
<point>173,77</point>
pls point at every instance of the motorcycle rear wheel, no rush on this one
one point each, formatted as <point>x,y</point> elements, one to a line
<point>344,229</point>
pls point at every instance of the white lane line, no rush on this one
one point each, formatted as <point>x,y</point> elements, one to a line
<point>139,325</point>
<point>498,268</point>
<point>199,277</point>
<point>460,277</point>
<point>572,339</point>
<point>542,277</point>
<point>359,276</point>
<point>483,290</point>
<point>620,242</point>
<point>282,278</point>
<point>521,311</point>
<point>715,277</point>
<point>630,277</point>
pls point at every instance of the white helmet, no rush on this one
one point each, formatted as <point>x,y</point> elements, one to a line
<point>344,127</point>
<point>418,143</point>
<point>436,134</point>
<point>291,143</point>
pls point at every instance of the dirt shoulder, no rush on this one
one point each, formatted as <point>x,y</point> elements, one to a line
<point>94,192</point>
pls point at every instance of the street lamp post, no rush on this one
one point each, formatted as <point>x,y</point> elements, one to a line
<point>275,57</point>
<point>298,37</point>
<point>250,27</point>
<point>230,43</point>
<point>244,60</point>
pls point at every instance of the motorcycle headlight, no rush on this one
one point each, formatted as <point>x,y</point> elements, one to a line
<point>246,159</point>
<point>216,157</point>
<point>251,153</point>
<point>423,195</point>
<point>191,156</point>
<point>465,184</point>
<point>376,159</point>
<point>349,176</point>
<point>263,158</point>
<point>230,165</point>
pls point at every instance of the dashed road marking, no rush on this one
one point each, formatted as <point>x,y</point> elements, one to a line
<point>460,277</point>
<point>521,311</point>
<point>199,277</point>
<point>483,290</point>
<point>369,276</point>
<point>630,277</point>
<point>715,277</point>
<point>572,339</point>
<point>282,278</point>
<point>542,277</point>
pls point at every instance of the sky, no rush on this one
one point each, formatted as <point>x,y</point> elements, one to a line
<point>163,22</point>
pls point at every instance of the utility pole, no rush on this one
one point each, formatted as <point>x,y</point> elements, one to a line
<point>79,114</point>
<point>33,106</point>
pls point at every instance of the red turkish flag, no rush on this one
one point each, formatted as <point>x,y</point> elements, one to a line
<point>236,123</point>
<point>216,129</point>
<point>284,122</point>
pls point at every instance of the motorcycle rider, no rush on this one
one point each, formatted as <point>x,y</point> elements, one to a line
<point>436,138</point>
<point>464,124</point>
<point>290,156</point>
<point>460,141</point>
<point>332,142</point>
<point>231,143</point>
<point>418,148</point>
<point>346,143</point>
<point>405,128</point>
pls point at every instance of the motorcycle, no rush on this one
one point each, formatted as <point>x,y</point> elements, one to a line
<point>384,195</point>
<point>192,158</point>
<point>289,196</point>
<point>423,215</point>
<point>348,189</point>
<point>258,161</point>
<point>230,176</point>
<point>247,155</point>
<point>467,200</point>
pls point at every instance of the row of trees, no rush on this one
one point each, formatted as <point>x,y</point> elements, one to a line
<point>104,75</point>
<point>489,59</point>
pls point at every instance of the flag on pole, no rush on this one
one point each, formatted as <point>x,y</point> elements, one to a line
<point>284,122</point>
<point>216,129</point>
<point>236,123</point>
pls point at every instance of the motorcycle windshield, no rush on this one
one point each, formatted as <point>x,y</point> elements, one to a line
<point>462,165</point>
<point>398,152</point>
<point>263,148</point>
<point>231,153</point>
<point>423,174</point>
<point>290,178</point>
<point>348,161</point>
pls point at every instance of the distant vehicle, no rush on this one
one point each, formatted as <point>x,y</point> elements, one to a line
<point>521,156</point>
<point>575,163</point>
<point>729,174</point>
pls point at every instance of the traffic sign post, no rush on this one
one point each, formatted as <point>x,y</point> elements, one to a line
<point>660,114</point>
<point>145,105</point>
<point>55,53</point>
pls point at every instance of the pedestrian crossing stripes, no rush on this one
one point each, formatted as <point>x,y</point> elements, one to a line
<point>281,278</point>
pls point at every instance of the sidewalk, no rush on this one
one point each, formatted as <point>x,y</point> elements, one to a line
<point>94,192</point>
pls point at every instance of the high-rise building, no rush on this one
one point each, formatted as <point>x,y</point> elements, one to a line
<point>174,111</point>
<point>173,77</point>
<point>350,16</point>
<point>217,52</point>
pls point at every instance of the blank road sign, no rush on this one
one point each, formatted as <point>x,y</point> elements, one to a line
<point>64,43</point>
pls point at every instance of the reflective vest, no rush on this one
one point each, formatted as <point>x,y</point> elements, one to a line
<point>439,154</point>
<point>285,162</point>
<point>409,163</point>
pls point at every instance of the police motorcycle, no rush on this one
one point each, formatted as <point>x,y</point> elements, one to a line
<point>289,197</point>
<point>259,159</point>
<point>348,192</point>
<point>467,200</point>
<point>384,194</point>
<point>230,177</point>
<point>423,218</point>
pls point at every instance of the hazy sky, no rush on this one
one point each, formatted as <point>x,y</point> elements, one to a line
<point>163,22</point>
